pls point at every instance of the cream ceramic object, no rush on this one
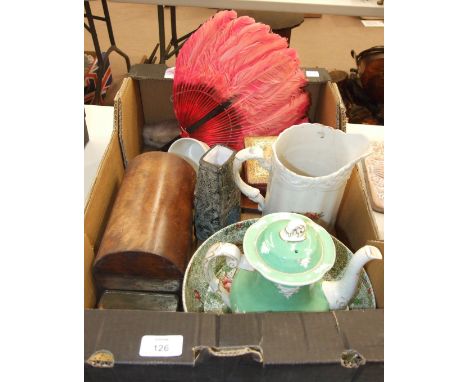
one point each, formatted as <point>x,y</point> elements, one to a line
<point>190,149</point>
<point>310,166</point>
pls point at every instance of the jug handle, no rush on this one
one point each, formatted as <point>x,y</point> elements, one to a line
<point>252,193</point>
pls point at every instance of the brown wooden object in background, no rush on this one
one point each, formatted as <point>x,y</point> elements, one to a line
<point>370,66</point>
<point>147,242</point>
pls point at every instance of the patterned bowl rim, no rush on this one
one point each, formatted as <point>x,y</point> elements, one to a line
<point>221,231</point>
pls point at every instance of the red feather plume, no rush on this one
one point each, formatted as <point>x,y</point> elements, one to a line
<point>244,72</point>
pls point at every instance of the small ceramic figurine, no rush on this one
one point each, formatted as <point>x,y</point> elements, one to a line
<point>285,258</point>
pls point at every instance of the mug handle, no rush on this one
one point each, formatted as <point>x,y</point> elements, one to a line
<point>228,250</point>
<point>252,193</point>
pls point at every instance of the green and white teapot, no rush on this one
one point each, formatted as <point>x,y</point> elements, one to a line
<point>285,258</point>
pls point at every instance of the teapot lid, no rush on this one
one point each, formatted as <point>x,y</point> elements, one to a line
<point>289,249</point>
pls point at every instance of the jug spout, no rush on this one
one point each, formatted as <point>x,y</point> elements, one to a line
<point>338,293</point>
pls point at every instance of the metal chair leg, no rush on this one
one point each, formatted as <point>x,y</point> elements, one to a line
<point>91,28</point>
<point>162,35</point>
<point>111,34</point>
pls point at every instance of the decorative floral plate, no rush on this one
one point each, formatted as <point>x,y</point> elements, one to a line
<point>197,298</point>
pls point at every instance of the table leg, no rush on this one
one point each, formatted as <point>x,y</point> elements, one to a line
<point>162,36</point>
<point>174,41</point>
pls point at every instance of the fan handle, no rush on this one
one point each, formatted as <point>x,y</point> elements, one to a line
<point>252,193</point>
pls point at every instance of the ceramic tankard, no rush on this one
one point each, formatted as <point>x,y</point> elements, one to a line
<point>309,168</point>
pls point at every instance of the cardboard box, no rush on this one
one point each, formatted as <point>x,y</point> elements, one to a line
<point>368,230</point>
<point>356,227</point>
<point>331,346</point>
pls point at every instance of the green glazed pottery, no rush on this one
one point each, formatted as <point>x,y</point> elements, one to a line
<point>289,264</point>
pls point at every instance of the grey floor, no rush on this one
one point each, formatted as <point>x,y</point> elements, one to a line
<point>324,42</point>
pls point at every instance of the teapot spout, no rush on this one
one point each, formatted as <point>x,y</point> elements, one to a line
<point>338,293</point>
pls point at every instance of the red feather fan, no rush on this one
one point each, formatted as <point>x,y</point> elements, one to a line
<point>235,78</point>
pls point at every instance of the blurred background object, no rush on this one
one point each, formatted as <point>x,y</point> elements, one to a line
<point>100,70</point>
<point>362,90</point>
<point>320,41</point>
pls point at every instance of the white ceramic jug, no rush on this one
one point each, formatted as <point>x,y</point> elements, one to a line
<point>309,168</point>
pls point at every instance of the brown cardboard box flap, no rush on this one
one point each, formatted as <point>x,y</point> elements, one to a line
<point>156,92</point>
<point>89,292</point>
<point>103,192</point>
<point>97,210</point>
<point>129,119</point>
<point>331,110</point>
<point>354,224</point>
<point>256,347</point>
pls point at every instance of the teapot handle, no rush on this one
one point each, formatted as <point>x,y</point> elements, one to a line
<point>252,193</point>
<point>234,259</point>
<point>228,250</point>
